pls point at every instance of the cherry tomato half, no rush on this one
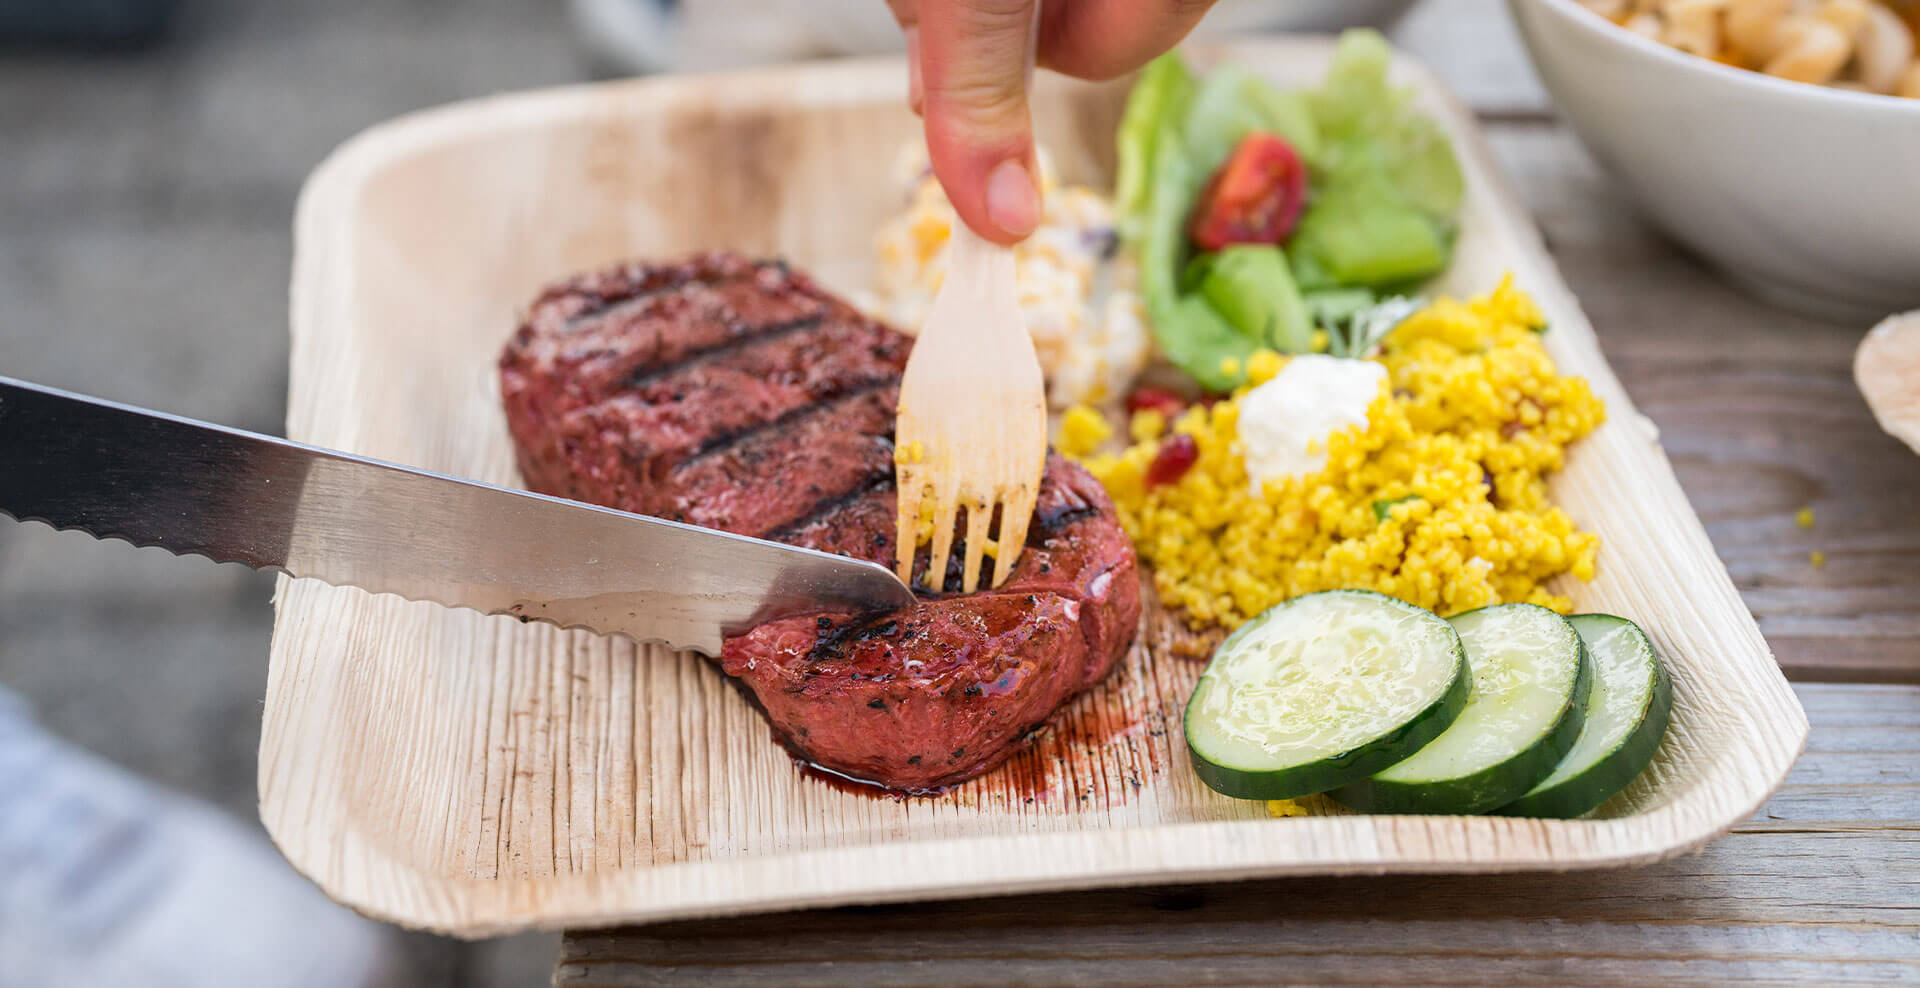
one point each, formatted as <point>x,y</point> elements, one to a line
<point>1255,197</point>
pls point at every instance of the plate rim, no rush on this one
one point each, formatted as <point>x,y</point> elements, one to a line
<point>1164,853</point>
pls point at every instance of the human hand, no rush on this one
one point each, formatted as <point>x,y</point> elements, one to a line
<point>969,67</point>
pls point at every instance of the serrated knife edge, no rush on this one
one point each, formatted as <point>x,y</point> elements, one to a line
<point>154,480</point>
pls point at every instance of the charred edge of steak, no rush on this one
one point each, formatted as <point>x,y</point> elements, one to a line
<point>1052,524</point>
<point>834,640</point>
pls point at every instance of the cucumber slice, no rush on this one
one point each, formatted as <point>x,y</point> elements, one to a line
<point>1530,682</point>
<point>1626,718</point>
<point>1322,690</point>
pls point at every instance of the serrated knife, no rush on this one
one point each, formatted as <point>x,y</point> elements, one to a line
<point>115,471</point>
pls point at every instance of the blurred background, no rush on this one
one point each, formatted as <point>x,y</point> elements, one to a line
<point>150,155</point>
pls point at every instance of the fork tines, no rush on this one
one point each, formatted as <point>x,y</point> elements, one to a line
<point>972,425</point>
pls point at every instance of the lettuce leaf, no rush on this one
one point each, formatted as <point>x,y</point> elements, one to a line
<point>1189,331</point>
<point>1388,184</point>
<point>1154,113</point>
<point>1385,187</point>
<point>1252,288</point>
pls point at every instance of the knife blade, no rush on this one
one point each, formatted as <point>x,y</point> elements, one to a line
<point>116,471</point>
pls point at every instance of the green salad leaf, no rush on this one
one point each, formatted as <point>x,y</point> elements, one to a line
<point>1358,236</point>
<point>1221,115</point>
<point>1189,331</point>
<point>1155,109</point>
<point>1200,341</point>
<point>1418,161</point>
<point>1251,287</point>
<point>1288,113</point>
<point>1384,189</point>
<point>1388,182</point>
<point>1233,103</point>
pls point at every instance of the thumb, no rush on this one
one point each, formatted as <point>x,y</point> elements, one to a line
<point>975,60</point>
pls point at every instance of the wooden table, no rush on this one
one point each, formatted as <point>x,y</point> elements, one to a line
<point>1758,411</point>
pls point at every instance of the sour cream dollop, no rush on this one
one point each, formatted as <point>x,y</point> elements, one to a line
<point>1285,423</point>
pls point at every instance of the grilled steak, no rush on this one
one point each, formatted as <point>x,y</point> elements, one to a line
<point>740,396</point>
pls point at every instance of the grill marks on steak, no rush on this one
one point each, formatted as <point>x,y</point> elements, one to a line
<point>651,389</point>
<point>740,396</point>
<point>935,696</point>
<point>818,458</point>
<point>609,340</point>
<point>859,523</point>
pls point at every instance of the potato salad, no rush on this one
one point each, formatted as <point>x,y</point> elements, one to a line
<point>1860,45</point>
<point>1076,289</point>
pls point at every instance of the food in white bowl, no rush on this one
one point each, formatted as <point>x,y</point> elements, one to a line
<point>1861,45</point>
<point>1809,196</point>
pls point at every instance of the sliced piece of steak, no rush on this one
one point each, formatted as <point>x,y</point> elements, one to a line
<point>933,695</point>
<point>741,396</point>
<point>944,691</point>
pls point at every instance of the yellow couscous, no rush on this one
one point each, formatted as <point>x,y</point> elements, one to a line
<point>1439,500</point>
<point>1082,430</point>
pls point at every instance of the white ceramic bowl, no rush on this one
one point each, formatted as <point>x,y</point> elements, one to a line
<point>1808,196</point>
<point>1237,16</point>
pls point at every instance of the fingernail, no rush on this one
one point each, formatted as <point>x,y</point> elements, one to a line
<point>1013,204</point>
<point>915,87</point>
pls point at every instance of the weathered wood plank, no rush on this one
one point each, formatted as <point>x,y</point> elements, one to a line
<point>1758,410</point>
<point>1810,892</point>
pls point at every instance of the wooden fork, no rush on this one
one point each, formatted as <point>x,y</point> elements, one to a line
<point>972,427</point>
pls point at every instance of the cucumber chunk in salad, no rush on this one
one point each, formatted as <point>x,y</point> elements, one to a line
<point>1626,718</point>
<point>1323,690</point>
<point>1531,677</point>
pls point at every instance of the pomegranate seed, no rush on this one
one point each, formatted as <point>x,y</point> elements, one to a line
<point>1158,399</point>
<point>1177,455</point>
